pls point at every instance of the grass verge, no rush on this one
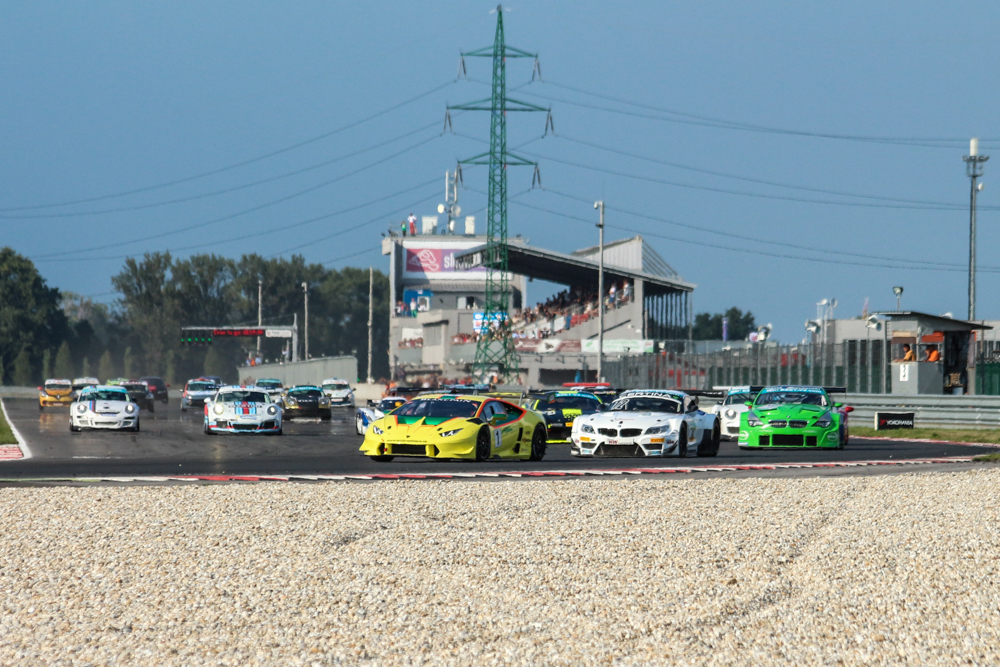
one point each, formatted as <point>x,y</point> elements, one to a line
<point>994,457</point>
<point>990,436</point>
<point>6,435</point>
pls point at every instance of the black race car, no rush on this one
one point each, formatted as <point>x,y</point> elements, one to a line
<point>306,400</point>
<point>157,386</point>
<point>140,394</point>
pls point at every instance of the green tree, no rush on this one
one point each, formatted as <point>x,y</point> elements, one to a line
<point>64,364</point>
<point>150,306</point>
<point>128,361</point>
<point>46,365</point>
<point>341,323</point>
<point>105,367</point>
<point>85,368</point>
<point>216,365</point>
<point>30,317</point>
<point>23,373</point>
<point>709,327</point>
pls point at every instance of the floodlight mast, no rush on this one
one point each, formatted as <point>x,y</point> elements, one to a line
<point>973,169</point>
<point>496,319</point>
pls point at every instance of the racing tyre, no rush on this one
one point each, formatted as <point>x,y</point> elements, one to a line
<point>382,459</point>
<point>357,426</point>
<point>538,444</point>
<point>710,448</point>
<point>73,429</point>
<point>843,440</point>
<point>136,427</point>
<point>682,443</point>
<point>484,444</point>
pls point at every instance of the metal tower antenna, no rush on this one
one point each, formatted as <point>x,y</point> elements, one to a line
<point>495,350</point>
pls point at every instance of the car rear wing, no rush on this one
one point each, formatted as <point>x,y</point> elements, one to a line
<point>707,393</point>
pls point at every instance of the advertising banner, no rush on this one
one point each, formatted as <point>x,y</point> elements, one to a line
<point>619,346</point>
<point>436,261</point>
<point>887,421</point>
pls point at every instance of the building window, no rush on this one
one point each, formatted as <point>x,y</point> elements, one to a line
<point>466,302</point>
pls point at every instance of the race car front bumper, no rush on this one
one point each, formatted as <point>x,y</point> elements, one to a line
<point>591,445</point>
<point>54,401</point>
<point>271,425</point>
<point>105,422</point>
<point>766,437</point>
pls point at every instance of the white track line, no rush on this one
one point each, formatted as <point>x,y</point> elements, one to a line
<point>22,445</point>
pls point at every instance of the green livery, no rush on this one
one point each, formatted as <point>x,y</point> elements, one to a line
<point>797,417</point>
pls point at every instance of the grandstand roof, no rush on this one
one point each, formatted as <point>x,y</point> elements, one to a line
<point>565,269</point>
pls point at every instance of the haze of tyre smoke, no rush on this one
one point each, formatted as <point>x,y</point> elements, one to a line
<point>863,570</point>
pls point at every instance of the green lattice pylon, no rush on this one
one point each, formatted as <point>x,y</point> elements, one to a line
<point>495,350</point>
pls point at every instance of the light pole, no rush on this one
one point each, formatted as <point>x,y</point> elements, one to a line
<point>898,291</point>
<point>371,292</point>
<point>973,169</point>
<point>260,311</point>
<point>599,205</point>
<point>305,290</point>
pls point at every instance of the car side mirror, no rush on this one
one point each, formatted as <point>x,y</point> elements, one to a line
<point>749,404</point>
<point>497,419</point>
<point>39,389</point>
<point>848,409</point>
<point>838,405</point>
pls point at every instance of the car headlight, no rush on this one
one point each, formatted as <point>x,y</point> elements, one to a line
<point>376,430</point>
<point>448,434</point>
<point>587,428</point>
<point>272,410</point>
<point>290,400</point>
<point>130,408</point>
<point>753,420</point>
<point>653,430</point>
<point>81,407</point>
<point>219,409</point>
<point>324,401</point>
<point>730,413</point>
<point>824,421</point>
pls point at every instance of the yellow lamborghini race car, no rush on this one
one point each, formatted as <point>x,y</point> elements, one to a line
<point>444,426</point>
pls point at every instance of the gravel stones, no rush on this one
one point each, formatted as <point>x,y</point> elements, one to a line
<point>845,570</point>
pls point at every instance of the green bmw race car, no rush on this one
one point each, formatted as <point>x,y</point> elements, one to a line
<point>794,417</point>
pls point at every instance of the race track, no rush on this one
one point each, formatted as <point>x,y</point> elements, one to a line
<point>172,443</point>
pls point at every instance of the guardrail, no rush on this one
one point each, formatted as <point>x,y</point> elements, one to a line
<point>953,411</point>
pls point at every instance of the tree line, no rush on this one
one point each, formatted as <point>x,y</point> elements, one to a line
<point>47,333</point>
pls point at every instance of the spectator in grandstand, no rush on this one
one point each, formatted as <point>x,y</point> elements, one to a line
<point>932,354</point>
<point>907,354</point>
<point>412,221</point>
<point>402,228</point>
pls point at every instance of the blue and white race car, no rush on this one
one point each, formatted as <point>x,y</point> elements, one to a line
<point>374,411</point>
<point>242,410</point>
<point>103,407</point>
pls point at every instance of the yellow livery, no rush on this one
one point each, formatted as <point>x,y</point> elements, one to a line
<point>55,393</point>
<point>447,426</point>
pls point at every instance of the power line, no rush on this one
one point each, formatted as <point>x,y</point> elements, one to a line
<point>749,251</point>
<point>708,121</point>
<point>710,172</point>
<point>272,230</point>
<point>202,225</point>
<point>214,193</point>
<point>243,163</point>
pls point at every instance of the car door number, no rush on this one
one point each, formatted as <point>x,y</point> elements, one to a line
<point>497,438</point>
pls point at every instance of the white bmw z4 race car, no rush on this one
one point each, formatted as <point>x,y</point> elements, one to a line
<point>242,410</point>
<point>732,407</point>
<point>647,422</point>
<point>103,407</point>
<point>374,411</point>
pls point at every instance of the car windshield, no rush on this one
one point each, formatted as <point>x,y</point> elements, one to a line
<point>269,384</point>
<point>152,382</point>
<point>305,393</point>
<point>201,386</point>
<point>646,404</point>
<point>243,397</point>
<point>738,399</point>
<point>336,386</point>
<point>791,398</point>
<point>104,395</point>
<point>438,407</point>
<point>571,402</point>
<point>131,386</point>
<point>58,386</point>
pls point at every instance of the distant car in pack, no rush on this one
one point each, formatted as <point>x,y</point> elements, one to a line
<point>242,410</point>
<point>55,393</point>
<point>374,411</point>
<point>140,394</point>
<point>602,390</point>
<point>561,408</point>
<point>79,384</point>
<point>115,382</point>
<point>196,392</point>
<point>272,386</point>
<point>104,407</point>
<point>338,391</point>
<point>214,378</point>
<point>306,401</point>
<point>731,407</point>
<point>156,385</point>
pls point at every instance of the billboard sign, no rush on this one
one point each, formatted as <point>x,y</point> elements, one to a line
<point>436,261</point>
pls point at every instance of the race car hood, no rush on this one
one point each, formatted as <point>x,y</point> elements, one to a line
<point>768,412</point>
<point>627,419</point>
<point>418,430</point>
<point>52,391</point>
<point>337,393</point>
<point>245,409</point>
<point>105,406</point>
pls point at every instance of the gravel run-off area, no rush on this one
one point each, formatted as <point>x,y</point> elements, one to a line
<point>899,569</point>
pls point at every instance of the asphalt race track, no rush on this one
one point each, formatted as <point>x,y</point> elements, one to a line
<point>171,442</point>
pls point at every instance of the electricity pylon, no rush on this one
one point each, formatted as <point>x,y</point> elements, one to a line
<point>495,349</point>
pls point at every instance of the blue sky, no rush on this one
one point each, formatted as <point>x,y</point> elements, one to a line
<point>106,98</point>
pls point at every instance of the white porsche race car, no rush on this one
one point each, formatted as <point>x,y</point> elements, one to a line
<point>647,422</point>
<point>242,410</point>
<point>731,407</point>
<point>339,391</point>
<point>375,411</point>
<point>104,407</point>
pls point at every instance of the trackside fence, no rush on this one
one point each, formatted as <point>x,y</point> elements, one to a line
<point>861,366</point>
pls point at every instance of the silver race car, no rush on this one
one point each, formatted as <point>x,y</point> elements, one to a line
<point>103,407</point>
<point>242,410</point>
<point>374,411</point>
